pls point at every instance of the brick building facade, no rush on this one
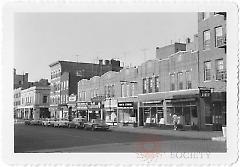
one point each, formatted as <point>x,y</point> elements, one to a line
<point>64,78</point>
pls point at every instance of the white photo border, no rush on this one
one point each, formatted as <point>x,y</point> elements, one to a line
<point>105,159</point>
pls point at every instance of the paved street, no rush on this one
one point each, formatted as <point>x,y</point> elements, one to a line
<point>49,139</point>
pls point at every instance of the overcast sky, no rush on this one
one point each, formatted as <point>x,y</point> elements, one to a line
<point>43,38</point>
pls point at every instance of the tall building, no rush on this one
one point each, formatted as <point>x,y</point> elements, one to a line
<point>64,78</point>
<point>20,80</point>
<point>212,66</point>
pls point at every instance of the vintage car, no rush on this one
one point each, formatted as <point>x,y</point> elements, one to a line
<point>46,122</point>
<point>36,122</point>
<point>27,121</point>
<point>76,123</point>
<point>95,124</point>
<point>61,123</point>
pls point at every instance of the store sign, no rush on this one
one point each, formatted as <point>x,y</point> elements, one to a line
<point>205,93</point>
<point>72,98</point>
<point>125,104</point>
<point>110,103</point>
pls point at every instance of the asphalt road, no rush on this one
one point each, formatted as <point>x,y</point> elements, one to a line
<point>48,139</point>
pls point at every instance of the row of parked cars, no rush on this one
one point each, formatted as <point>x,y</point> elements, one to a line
<point>94,124</point>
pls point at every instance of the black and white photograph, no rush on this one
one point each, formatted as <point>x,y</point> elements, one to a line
<point>144,83</point>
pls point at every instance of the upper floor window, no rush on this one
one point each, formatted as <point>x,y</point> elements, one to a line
<point>66,86</point>
<point>128,90</point>
<point>133,89</point>
<point>156,84</point>
<point>207,70</point>
<point>180,80</point>
<point>188,80</point>
<point>44,99</point>
<point>150,84</point>
<point>122,90</point>
<point>219,36</point>
<point>220,72</point>
<point>144,85</point>
<point>206,39</point>
<point>205,15</point>
<point>172,82</point>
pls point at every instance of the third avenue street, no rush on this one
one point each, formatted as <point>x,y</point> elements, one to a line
<point>48,139</point>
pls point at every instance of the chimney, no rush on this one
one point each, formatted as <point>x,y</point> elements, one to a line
<point>188,40</point>
<point>100,62</point>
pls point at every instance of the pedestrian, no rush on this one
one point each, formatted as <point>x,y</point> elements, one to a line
<point>175,120</point>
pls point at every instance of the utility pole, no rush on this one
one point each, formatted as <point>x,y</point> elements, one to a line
<point>77,57</point>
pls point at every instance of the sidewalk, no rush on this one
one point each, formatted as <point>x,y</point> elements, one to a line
<point>203,135</point>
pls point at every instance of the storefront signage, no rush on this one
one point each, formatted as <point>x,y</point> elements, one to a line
<point>72,98</point>
<point>125,104</point>
<point>110,103</point>
<point>205,93</point>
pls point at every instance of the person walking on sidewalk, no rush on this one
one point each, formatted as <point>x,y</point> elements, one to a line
<point>175,120</point>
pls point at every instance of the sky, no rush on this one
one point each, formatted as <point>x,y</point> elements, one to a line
<point>43,38</point>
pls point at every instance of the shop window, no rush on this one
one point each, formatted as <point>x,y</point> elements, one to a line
<point>187,115</point>
<point>172,82</point>
<point>188,80</point>
<point>207,70</point>
<point>180,80</point>
<point>206,40</point>
<point>157,84</point>
<point>132,89</point>
<point>150,85</point>
<point>194,111</point>
<point>170,112</point>
<point>208,115</point>
<point>219,40</point>
<point>144,85</point>
<point>220,72</point>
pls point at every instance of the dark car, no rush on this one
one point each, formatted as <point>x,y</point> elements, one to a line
<point>95,124</point>
<point>76,123</point>
<point>27,121</point>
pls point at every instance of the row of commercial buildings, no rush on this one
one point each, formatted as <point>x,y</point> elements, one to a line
<point>188,79</point>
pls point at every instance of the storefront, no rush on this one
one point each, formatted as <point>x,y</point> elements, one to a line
<point>127,113</point>
<point>185,109</point>
<point>110,111</point>
<point>82,109</point>
<point>152,113</point>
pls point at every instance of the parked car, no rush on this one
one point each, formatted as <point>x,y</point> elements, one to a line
<point>76,123</point>
<point>46,122</point>
<point>34,122</point>
<point>61,123</point>
<point>52,121</point>
<point>95,124</point>
<point>27,121</point>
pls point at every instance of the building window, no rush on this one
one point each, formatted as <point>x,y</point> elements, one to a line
<point>188,80</point>
<point>150,85</point>
<point>122,90</point>
<point>66,84</point>
<point>144,85</point>
<point>220,72</point>
<point>205,15</point>
<point>133,89</point>
<point>207,70</point>
<point>128,90</point>
<point>206,40</point>
<point>180,80</point>
<point>156,84</point>
<point>219,41</point>
<point>172,82</point>
<point>44,99</point>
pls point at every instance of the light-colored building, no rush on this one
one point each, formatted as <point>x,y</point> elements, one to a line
<point>34,103</point>
<point>17,102</point>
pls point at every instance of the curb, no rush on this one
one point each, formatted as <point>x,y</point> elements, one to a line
<point>173,135</point>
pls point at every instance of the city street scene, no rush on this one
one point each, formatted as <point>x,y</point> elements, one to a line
<point>120,82</point>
